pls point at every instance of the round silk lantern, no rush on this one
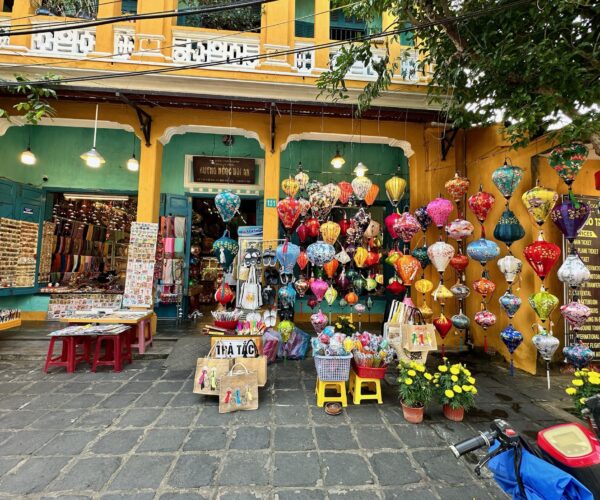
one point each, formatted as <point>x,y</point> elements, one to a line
<point>423,286</point>
<point>441,294</point>
<point>319,287</point>
<point>372,258</point>
<point>393,256</point>
<point>512,340</point>
<point>224,295</point>
<point>480,204</point>
<point>342,257</point>
<point>312,226</point>
<point>330,295</point>
<point>460,321</point>
<point>539,201</point>
<point>371,195</point>
<point>360,256</point>
<point>302,179</point>
<point>342,281</point>
<point>546,345</point>
<point>459,262</point>
<point>227,204</point>
<point>573,272</point>
<point>407,268</point>
<point>443,325</point>
<point>370,284</point>
<point>304,206</point>
<point>290,186</point>
<point>570,217</point>
<point>358,284</point>
<point>541,256</point>
<point>313,186</point>
<point>406,227</point>
<point>302,260</point>
<point>302,232</point>
<point>319,321</point>
<point>320,252</point>
<point>457,187</point>
<point>426,311</point>
<point>332,191</point>
<point>287,295</point>
<point>440,254</point>
<point>567,161</point>
<point>330,232</point>
<point>320,205</point>
<point>420,253</point>
<point>351,298</point>
<point>331,267</point>
<point>390,223</point>
<point>439,210</point>
<point>483,250</point>
<point>507,178</point>
<point>459,229</point>
<point>301,286</point>
<point>345,191</point>
<point>485,319</point>
<point>484,287</point>
<point>395,288</point>
<point>344,224</point>
<point>510,304</point>
<point>361,186</point>
<point>423,217</point>
<point>460,291</point>
<point>312,302</point>
<point>510,267</point>
<point>508,229</point>
<point>578,354</point>
<point>373,230</point>
<point>287,254</point>
<point>543,303</point>
<point>288,210</point>
<point>225,249</point>
<point>576,314</point>
<point>394,189</point>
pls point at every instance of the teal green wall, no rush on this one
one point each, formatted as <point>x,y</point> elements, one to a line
<point>58,150</point>
<point>25,302</point>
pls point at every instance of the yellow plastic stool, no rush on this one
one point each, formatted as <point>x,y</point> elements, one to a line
<point>356,385</point>
<point>340,387</point>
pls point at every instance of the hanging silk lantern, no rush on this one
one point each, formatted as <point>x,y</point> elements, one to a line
<point>426,311</point>
<point>394,189</point>
<point>379,278</point>
<point>539,201</point>
<point>512,340</point>
<point>360,256</point>
<point>510,267</point>
<point>506,178</point>
<point>362,218</point>
<point>320,205</point>
<point>358,284</point>
<point>227,204</point>
<point>508,229</point>
<point>301,286</point>
<point>485,319</point>
<point>573,272</point>
<point>578,354</point>
<point>484,287</point>
<point>443,325</point>
<point>407,268</point>
<point>371,195</point>
<point>543,303</point>
<point>302,179</point>
<point>406,227</point>
<point>224,295</point>
<point>546,345</point>
<point>483,250</point>
<point>287,254</point>
<point>390,222</point>
<point>439,210</point>
<point>302,260</point>
<point>460,321</point>
<point>290,186</point>
<point>319,321</point>
<point>302,232</point>
<point>440,254</point>
<point>393,256</point>
<point>370,284</point>
<point>570,217</point>
<point>441,294</point>
<point>345,191</point>
<point>344,224</point>
<point>457,187</point>
<point>332,191</point>
<point>342,281</point>
<point>395,288</point>
<point>304,206</point>
<point>313,186</point>
<point>541,256</point>
<point>460,291</point>
<point>319,287</point>
<point>287,295</point>
<point>423,286</point>
<point>372,230</point>
<point>330,268</point>
<point>342,257</point>
<point>288,210</point>
<point>351,298</point>
<point>480,204</point>
<point>420,253</point>
<point>576,314</point>
<point>459,262</point>
<point>567,161</point>
<point>510,303</point>
<point>361,186</point>
<point>423,217</point>
<point>330,232</point>
<point>459,229</point>
<point>225,249</point>
<point>320,252</point>
<point>330,295</point>
<point>312,226</point>
<point>372,258</point>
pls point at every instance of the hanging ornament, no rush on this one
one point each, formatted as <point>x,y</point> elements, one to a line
<point>506,178</point>
<point>224,295</point>
<point>423,217</point>
<point>570,216</point>
<point>330,232</point>
<point>393,256</point>
<point>512,339</point>
<point>345,191</point>
<point>288,210</point>
<point>460,321</point>
<point>573,272</point>
<point>460,291</point>
<point>287,254</point>
<point>227,204</point>
<point>394,189</point>
<point>360,256</point>
<point>330,295</point>
<point>395,287</point>
<point>342,257</point>
<point>459,229</point>
<point>302,179</point>
<point>508,229</point>
<point>420,253</point>
<point>345,224</point>
<point>578,354</point>
<point>371,195</point>
<point>319,287</point>
<point>370,284</point>
<point>390,223</point>
<point>539,201</point>
<point>351,298</point>
<point>543,303</point>
<point>567,161</point>
<point>358,284</point>
<point>302,260</point>
<point>319,321</point>
<point>546,344</point>
<point>372,258</point>
<point>362,218</point>
<point>342,281</point>
<point>510,304</point>
<point>304,206</point>
<point>302,232</point>
<point>320,205</point>
<point>457,187</point>
<point>426,311</point>
<point>361,186</point>
<point>484,287</point>
<point>320,252</point>
<point>407,268</point>
<point>332,192</point>
<point>485,319</point>
<point>312,226</point>
<point>510,267</point>
<point>440,254</point>
<point>481,203</point>
<point>576,314</point>
<point>287,295</point>
<point>423,286</point>
<point>459,262</point>
<point>313,186</point>
<point>442,294</point>
<point>439,210</point>
<point>373,230</point>
<point>541,256</point>
<point>225,249</point>
<point>290,186</point>
<point>312,302</point>
<point>330,268</point>
<point>406,227</point>
<point>442,325</point>
<point>301,286</point>
<point>483,250</point>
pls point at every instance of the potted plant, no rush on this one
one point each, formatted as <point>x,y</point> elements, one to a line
<point>455,388</point>
<point>345,325</point>
<point>414,388</point>
<point>585,385</point>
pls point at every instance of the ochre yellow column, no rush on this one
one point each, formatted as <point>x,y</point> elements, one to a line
<point>149,181</point>
<point>105,34</point>
<point>272,167</point>
<point>275,34</point>
<point>153,34</point>
<point>322,25</point>
<point>22,9</point>
<point>388,23</point>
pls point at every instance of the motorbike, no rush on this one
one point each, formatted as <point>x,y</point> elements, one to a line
<point>564,463</point>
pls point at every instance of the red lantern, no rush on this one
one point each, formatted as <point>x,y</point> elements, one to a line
<point>395,288</point>
<point>542,255</point>
<point>312,302</point>
<point>312,225</point>
<point>459,262</point>
<point>390,222</point>
<point>224,295</point>
<point>372,258</point>
<point>484,287</point>
<point>345,191</point>
<point>288,210</point>
<point>302,231</point>
<point>407,268</point>
<point>331,267</point>
<point>481,204</point>
<point>302,260</point>
<point>345,224</point>
<point>443,325</point>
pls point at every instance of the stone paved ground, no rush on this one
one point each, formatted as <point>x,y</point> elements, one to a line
<point>142,434</point>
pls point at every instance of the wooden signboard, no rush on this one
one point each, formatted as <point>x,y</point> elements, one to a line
<point>223,170</point>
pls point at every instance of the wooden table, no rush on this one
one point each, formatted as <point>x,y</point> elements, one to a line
<point>143,325</point>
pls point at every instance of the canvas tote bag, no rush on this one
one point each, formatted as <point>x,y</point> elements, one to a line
<point>209,371</point>
<point>238,390</point>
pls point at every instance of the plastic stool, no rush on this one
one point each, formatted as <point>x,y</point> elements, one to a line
<point>69,358</point>
<point>356,387</point>
<point>340,387</point>
<point>117,350</point>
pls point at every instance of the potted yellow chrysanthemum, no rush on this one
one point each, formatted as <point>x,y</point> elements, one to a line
<point>414,388</point>
<point>585,385</point>
<point>455,388</point>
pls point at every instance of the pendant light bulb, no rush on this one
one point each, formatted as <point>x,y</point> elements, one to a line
<point>338,160</point>
<point>133,165</point>
<point>27,157</point>
<point>360,170</point>
<point>92,158</point>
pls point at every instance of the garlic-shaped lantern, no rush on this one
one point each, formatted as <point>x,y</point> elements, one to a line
<point>510,267</point>
<point>573,272</point>
<point>361,184</point>
<point>440,254</point>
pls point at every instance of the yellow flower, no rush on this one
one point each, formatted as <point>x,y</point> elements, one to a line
<point>448,393</point>
<point>443,368</point>
<point>455,370</point>
<point>457,389</point>
<point>582,401</point>
<point>577,373</point>
<point>428,376</point>
<point>408,381</point>
<point>420,368</point>
<point>412,364</point>
<point>471,380</point>
<point>577,382</point>
<point>454,378</point>
<point>474,390</point>
<point>595,380</point>
<point>571,391</point>
<point>412,373</point>
<point>337,325</point>
<point>445,358</point>
<point>466,388</point>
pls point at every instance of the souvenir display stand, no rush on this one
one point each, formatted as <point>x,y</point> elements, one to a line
<point>9,318</point>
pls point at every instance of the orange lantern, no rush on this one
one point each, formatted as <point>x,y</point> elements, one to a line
<point>371,196</point>
<point>407,268</point>
<point>351,298</point>
<point>302,260</point>
<point>331,267</point>
<point>346,191</point>
<point>360,256</point>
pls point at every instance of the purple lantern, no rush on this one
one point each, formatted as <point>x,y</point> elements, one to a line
<point>423,217</point>
<point>570,216</point>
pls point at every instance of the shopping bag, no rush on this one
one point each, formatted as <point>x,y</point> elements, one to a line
<point>258,365</point>
<point>271,340</point>
<point>251,292</point>
<point>209,371</point>
<point>238,390</point>
<point>418,335</point>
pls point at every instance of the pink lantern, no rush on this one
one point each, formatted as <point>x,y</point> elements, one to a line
<point>318,321</point>
<point>439,210</point>
<point>406,227</point>
<point>390,223</point>
<point>319,287</point>
<point>576,314</point>
<point>459,229</point>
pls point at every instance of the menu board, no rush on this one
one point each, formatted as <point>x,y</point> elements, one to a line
<point>588,246</point>
<point>139,282</point>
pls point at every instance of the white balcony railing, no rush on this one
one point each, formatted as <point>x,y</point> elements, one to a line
<point>305,60</point>
<point>358,69</point>
<point>202,48</point>
<point>409,66</point>
<point>72,42</point>
<point>124,44</point>
<point>4,27</point>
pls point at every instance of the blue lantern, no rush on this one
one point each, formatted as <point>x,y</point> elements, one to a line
<point>460,321</point>
<point>509,229</point>
<point>510,304</point>
<point>227,204</point>
<point>287,253</point>
<point>512,339</point>
<point>483,250</point>
<point>420,253</point>
<point>578,354</point>
<point>225,249</point>
<point>507,178</point>
<point>287,295</point>
<point>320,253</point>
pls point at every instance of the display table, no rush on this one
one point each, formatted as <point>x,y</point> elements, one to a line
<point>232,346</point>
<point>142,320</point>
<point>13,323</point>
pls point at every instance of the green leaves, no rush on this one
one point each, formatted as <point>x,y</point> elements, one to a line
<point>35,106</point>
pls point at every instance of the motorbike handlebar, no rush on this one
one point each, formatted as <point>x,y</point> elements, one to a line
<point>474,443</point>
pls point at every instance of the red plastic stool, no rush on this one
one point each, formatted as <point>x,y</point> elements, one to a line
<point>69,357</point>
<point>117,350</point>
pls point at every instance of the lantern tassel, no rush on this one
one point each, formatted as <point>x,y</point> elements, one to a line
<point>443,350</point>
<point>512,367</point>
<point>548,373</point>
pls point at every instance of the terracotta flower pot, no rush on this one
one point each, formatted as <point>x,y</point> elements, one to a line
<point>456,415</point>
<point>413,415</point>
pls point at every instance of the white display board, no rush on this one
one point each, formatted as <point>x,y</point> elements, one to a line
<point>141,258</point>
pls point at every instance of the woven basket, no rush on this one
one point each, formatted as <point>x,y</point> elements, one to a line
<point>333,368</point>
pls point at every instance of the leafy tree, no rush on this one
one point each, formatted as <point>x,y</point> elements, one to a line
<point>240,19</point>
<point>36,105</point>
<point>531,65</point>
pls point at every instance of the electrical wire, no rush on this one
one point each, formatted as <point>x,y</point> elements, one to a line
<point>447,20</point>
<point>31,16</point>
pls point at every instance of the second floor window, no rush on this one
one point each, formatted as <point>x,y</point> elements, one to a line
<point>242,19</point>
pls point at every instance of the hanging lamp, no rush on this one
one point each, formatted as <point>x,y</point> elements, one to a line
<point>27,157</point>
<point>133,165</point>
<point>338,160</point>
<point>92,158</point>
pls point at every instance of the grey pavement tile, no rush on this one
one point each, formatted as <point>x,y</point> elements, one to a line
<point>128,496</point>
<point>87,474</point>
<point>68,443</point>
<point>149,375</point>
<point>345,469</point>
<point>18,419</point>
<point>84,401</point>
<point>296,469</point>
<point>32,476</point>
<point>154,399</point>
<point>56,419</point>
<point>210,416</point>
<point>10,387</point>
<point>160,440</point>
<point>183,496</point>
<point>352,494</point>
<point>335,438</point>
<point>8,463</point>
<point>364,414</point>
<point>387,465</point>
<point>242,495</point>
<point>69,497</point>
<point>41,387</point>
<point>376,437</point>
<point>245,469</point>
<point>119,400</point>
<point>15,401</point>
<point>291,415</point>
<point>292,397</point>
<point>442,465</point>
<point>418,436</point>
<point>299,494</point>
<point>48,401</point>
<point>135,387</point>
<point>139,417</point>
<point>183,417</point>
<point>72,387</point>
<point>177,374</point>
<point>117,442</point>
<point>319,417</point>
<point>415,494</point>
<point>97,418</point>
<point>26,442</point>
<point>193,471</point>
<point>143,471</point>
<point>104,387</point>
<point>294,439</point>
<point>262,414</point>
<point>167,386</point>
<point>289,383</point>
<point>186,399</point>
<point>207,439</point>
<point>471,491</point>
<point>250,438</point>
